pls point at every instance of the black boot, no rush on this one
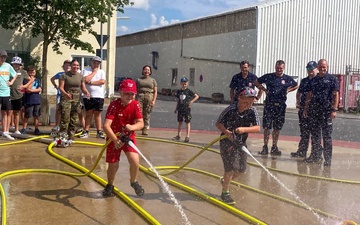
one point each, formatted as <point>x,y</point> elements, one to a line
<point>313,158</point>
<point>264,151</point>
<point>275,150</point>
<point>298,154</point>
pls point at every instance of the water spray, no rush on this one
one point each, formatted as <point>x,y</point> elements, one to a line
<point>285,187</point>
<point>127,140</point>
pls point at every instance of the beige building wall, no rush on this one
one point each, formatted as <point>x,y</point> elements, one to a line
<point>14,41</point>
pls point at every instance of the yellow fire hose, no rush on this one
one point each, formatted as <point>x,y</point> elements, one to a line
<point>174,169</point>
<point>85,171</point>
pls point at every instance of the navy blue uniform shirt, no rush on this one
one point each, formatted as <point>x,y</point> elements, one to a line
<point>322,89</point>
<point>304,88</point>
<point>238,83</point>
<point>277,87</point>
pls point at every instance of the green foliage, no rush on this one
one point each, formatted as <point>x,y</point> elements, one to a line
<point>28,59</point>
<point>35,60</point>
<point>58,21</point>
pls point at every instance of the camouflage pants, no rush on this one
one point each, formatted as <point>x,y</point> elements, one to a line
<point>69,113</point>
<point>145,105</point>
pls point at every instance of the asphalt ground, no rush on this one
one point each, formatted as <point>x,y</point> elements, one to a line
<point>299,193</point>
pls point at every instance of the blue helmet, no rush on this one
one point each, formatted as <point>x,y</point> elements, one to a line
<point>311,65</point>
<point>183,79</point>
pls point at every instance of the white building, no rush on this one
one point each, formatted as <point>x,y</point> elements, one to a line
<point>208,50</point>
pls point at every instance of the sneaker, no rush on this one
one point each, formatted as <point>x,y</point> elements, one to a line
<point>176,138</point>
<point>313,159</point>
<point>264,151</point>
<point>79,130</point>
<point>108,190</point>
<point>327,163</point>
<point>298,154</point>
<point>37,131</point>
<point>100,134</point>
<point>138,189</point>
<point>7,136</point>
<point>17,132</point>
<point>84,134</point>
<point>275,151</point>
<point>23,131</point>
<point>186,139</point>
<point>226,197</point>
<point>55,129</point>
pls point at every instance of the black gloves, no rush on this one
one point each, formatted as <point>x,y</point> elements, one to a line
<point>125,138</point>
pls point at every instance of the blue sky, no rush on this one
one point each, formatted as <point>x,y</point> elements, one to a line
<point>147,14</point>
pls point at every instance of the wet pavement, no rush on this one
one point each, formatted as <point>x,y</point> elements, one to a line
<point>307,193</point>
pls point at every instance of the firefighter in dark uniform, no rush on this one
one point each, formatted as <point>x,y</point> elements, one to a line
<point>321,105</point>
<point>304,122</point>
<point>278,85</point>
<point>242,80</point>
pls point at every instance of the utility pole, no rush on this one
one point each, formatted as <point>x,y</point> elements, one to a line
<point>105,54</point>
<point>101,43</point>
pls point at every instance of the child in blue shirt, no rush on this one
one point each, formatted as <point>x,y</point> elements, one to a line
<point>32,101</point>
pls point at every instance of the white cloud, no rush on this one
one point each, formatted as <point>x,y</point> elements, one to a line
<point>191,9</point>
<point>233,4</point>
<point>166,12</point>
<point>140,4</point>
<point>153,19</point>
<point>174,21</point>
<point>155,22</point>
<point>163,21</point>
<point>122,29</point>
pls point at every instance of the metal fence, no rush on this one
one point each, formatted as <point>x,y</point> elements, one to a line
<point>349,88</point>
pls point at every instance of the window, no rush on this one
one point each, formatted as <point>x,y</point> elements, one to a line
<point>174,77</point>
<point>84,61</point>
<point>25,56</point>
<point>27,60</point>
<point>192,77</point>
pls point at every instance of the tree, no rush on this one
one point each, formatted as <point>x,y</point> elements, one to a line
<point>57,22</point>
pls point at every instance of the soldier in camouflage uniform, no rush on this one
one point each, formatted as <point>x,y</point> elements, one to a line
<point>70,84</point>
<point>147,93</point>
